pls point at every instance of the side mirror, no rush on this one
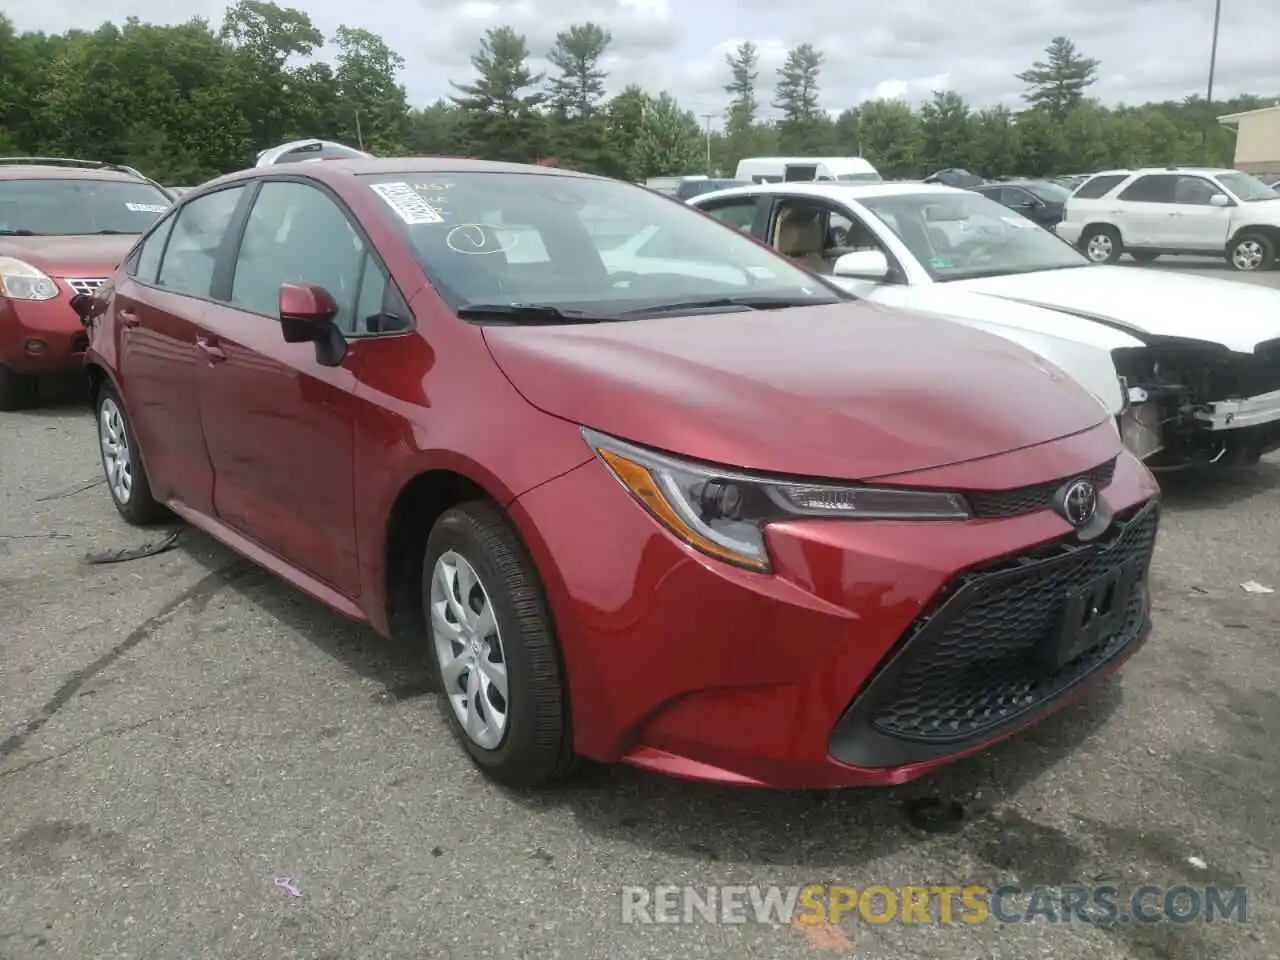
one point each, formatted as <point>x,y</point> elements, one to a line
<point>1220,200</point>
<point>862,265</point>
<point>306,316</point>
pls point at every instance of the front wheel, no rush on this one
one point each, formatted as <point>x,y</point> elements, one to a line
<point>1251,252</point>
<point>1102,244</point>
<point>127,480</point>
<point>495,650</point>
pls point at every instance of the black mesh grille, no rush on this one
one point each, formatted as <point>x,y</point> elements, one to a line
<point>1012,503</point>
<point>964,671</point>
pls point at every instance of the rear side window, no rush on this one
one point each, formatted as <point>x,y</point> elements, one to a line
<point>1153,188</point>
<point>1098,186</point>
<point>196,238</point>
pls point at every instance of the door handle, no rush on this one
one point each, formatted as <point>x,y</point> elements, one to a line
<point>212,352</point>
<point>128,318</point>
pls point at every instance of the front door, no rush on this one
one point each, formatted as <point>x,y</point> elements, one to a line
<point>1197,223</point>
<point>159,307</point>
<point>278,424</point>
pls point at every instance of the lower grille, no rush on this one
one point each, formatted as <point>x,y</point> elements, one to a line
<point>80,343</point>
<point>977,663</point>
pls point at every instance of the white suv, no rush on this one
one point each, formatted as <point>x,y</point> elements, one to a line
<point>1174,210</point>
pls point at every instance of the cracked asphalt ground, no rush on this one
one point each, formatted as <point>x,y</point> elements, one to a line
<point>180,731</point>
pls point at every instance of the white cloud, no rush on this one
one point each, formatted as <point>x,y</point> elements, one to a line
<point>1150,49</point>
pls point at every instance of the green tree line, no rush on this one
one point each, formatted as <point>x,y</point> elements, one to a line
<point>188,102</point>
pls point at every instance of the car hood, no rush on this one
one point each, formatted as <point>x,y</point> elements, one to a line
<point>1148,303</point>
<point>70,256</point>
<point>852,391</point>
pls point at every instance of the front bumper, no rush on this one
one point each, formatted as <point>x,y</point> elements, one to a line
<point>681,664</point>
<point>1238,414</point>
<point>44,336</point>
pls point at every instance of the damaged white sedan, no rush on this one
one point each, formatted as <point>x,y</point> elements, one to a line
<point>1189,365</point>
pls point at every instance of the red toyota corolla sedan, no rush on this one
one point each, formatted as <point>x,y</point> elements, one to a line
<point>650,492</point>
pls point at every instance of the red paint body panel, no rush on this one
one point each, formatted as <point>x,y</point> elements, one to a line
<point>674,661</point>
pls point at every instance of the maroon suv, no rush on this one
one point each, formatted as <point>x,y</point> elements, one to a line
<point>64,226</point>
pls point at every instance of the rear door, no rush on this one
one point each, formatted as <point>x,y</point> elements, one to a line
<point>159,307</point>
<point>279,425</point>
<point>1146,211</point>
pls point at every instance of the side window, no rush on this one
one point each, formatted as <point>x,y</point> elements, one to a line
<point>296,233</point>
<point>146,263</point>
<point>1153,188</point>
<point>816,235</point>
<point>1195,190</point>
<point>1017,197</point>
<point>194,243</point>
<point>740,213</point>
<point>1099,186</point>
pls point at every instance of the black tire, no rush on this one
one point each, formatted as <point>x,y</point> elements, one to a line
<point>1110,234</point>
<point>536,748</point>
<point>1141,257</point>
<point>139,508</point>
<point>1255,248</point>
<point>17,391</point>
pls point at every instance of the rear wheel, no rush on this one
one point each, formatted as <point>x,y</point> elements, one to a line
<point>495,651</point>
<point>1144,257</point>
<point>126,477</point>
<point>1101,244</point>
<point>1251,252</point>
<point>17,391</point>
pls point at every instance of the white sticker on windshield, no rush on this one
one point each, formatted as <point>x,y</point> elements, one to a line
<point>1021,223</point>
<point>761,273</point>
<point>407,203</point>
<point>147,207</point>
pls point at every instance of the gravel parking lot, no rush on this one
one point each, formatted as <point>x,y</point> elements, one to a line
<point>183,731</point>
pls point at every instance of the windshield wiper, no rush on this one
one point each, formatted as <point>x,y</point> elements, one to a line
<point>18,233</point>
<point>527,313</point>
<point>745,302</point>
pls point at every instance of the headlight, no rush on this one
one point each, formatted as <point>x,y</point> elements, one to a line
<point>19,280</point>
<point>723,513</point>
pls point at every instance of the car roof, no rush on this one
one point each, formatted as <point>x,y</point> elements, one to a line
<point>1201,171</point>
<point>41,171</point>
<point>835,190</point>
<point>342,168</point>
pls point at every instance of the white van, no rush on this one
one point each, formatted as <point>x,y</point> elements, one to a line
<point>806,170</point>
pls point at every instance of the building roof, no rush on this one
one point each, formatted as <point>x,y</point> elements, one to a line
<point>1231,119</point>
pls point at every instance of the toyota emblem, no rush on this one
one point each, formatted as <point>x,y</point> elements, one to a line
<point>1079,502</point>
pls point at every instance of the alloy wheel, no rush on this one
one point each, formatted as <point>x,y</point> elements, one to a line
<point>468,646</point>
<point>1247,255</point>
<point>1099,248</point>
<point>116,458</point>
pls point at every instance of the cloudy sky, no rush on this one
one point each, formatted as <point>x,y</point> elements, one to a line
<point>1150,49</point>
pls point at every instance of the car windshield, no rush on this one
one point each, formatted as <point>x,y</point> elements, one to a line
<point>1049,192</point>
<point>67,207</point>
<point>1248,189</point>
<point>600,246</point>
<point>960,236</point>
